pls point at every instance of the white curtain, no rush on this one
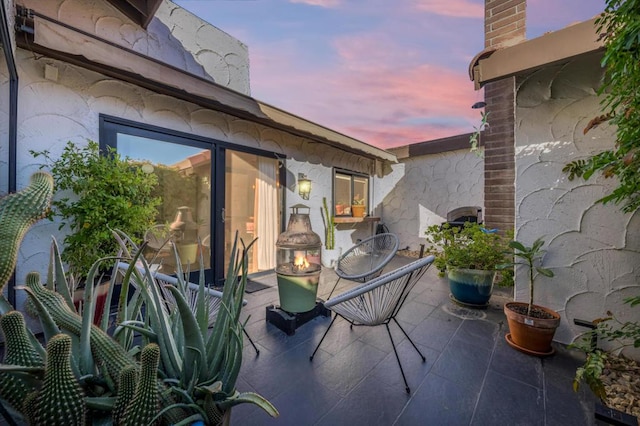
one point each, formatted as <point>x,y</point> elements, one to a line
<point>266,213</point>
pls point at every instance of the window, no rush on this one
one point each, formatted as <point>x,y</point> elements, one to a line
<point>350,193</point>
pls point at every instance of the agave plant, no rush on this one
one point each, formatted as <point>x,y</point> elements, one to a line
<point>199,364</point>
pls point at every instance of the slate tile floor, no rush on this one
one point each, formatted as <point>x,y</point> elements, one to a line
<point>471,375</point>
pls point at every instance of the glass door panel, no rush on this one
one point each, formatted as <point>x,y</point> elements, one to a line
<point>252,207</point>
<point>184,187</point>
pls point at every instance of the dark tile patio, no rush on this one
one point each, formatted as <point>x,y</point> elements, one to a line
<point>471,376</point>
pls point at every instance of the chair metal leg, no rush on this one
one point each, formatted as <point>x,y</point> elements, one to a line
<point>397,358</point>
<point>251,341</point>
<point>334,288</point>
<point>409,339</point>
<point>323,336</point>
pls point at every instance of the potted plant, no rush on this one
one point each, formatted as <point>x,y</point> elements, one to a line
<point>97,193</point>
<point>469,255</point>
<point>357,206</point>
<point>531,327</point>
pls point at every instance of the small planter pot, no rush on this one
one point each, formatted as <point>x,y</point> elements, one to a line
<point>357,210</point>
<point>471,287</point>
<point>528,334</point>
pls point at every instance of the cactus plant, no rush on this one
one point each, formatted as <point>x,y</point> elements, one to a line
<point>143,408</point>
<point>18,212</point>
<point>19,351</point>
<point>61,399</point>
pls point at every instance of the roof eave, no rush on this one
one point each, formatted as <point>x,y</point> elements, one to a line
<point>491,65</point>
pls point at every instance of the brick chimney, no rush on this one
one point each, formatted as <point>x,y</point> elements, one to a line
<point>504,25</point>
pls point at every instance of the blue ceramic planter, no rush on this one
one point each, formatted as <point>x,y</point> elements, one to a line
<point>471,286</point>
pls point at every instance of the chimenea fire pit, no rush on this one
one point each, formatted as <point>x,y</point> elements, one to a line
<point>298,273</point>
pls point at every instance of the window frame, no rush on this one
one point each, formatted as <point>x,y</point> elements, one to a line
<point>352,175</point>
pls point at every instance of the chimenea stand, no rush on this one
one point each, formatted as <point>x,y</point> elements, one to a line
<point>298,272</point>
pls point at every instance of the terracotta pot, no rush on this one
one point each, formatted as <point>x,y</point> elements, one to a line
<point>531,335</point>
<point>357,210</point>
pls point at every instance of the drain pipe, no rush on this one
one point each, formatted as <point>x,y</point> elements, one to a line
<point>13,121</point>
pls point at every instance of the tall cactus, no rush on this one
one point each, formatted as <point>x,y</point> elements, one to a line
<point>126,391</point>
<point>144,405</point>
<point>18,351</point>
<point>18,212</point>
<point>61,399</point>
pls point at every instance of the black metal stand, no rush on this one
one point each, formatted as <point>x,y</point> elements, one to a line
<point>289,322</point>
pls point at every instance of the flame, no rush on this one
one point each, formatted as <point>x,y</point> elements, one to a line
<point>300,262</point>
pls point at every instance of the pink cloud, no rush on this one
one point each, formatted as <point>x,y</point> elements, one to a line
<point>452,8</point>
<point>321,3</point>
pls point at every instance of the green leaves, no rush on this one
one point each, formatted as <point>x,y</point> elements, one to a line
<point>108,193</point>
<point>619,26</point>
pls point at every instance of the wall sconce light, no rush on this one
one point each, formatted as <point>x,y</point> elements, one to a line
<point>304,186</point>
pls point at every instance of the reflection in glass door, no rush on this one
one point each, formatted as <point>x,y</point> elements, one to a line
<point>252,201</point>
<point>184,214</point>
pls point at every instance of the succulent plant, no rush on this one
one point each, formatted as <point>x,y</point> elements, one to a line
<point>18,212</point>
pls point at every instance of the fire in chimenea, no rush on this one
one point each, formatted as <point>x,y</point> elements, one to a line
<point>301,263</point>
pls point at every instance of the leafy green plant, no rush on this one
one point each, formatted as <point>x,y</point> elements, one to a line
<point>531,258</point>
<point>619,26</point>
<point>329,226</point>
<point>621,334</point>
<point>467,247</point>
<point>98,193</point>
<point>474,139</point>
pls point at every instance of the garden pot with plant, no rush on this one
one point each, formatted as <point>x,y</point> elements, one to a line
<point>531,327</point>
<point>469,255</point>
<point>358,207</point>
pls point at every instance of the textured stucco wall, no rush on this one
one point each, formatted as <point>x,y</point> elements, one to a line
<point>421,190</point>
<point>593,249</point>
<point>174,36</point>
<point>53,112</point>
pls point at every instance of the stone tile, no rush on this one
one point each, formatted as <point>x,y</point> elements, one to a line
<point>378,337</point>
<point>505,401</point>
<point>366,405</point>
<point>347,368</point>
<point>516,365</point>
<point>414,312</point>
<point>340,336</point>
<point>463,363</point>
<point>301,403</point>
<point>435,332</point>
<point>415,369</point>
<point>564,407</point>
<point>439,401</point>
<point>433,297</point>
<point>478,332</point>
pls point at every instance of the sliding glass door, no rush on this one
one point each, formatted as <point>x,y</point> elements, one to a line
<point>252,206</point>
<point>208,191</point>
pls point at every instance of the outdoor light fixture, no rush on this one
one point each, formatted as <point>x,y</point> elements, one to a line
<point>304,186</point>
<point>479,105</point>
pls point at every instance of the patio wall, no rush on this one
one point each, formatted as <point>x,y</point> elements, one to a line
<point>54,112</point>
<point>422,189</point>
<point>593,249</point>
<point>175,36</point>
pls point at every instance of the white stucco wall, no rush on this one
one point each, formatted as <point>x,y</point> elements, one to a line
<point>593,249</point>
<point>421,190</point>
<point>54,112</point>
<point>174,36</point>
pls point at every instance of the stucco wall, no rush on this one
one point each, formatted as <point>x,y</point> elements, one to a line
<point>53,112</point>
<point>593,249</point>
<point>174,36</point>
<point>421,190</point>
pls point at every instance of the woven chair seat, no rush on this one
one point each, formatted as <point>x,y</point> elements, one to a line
<point>366,260</point>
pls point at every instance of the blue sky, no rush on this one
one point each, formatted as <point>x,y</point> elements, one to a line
<point>387,72</point>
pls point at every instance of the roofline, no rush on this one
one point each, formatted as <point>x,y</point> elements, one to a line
<point>61,41</point>
<point>491,65</point>
<point>435,146</point>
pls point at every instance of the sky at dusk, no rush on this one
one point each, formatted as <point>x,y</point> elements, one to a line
<point>386,72</point>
